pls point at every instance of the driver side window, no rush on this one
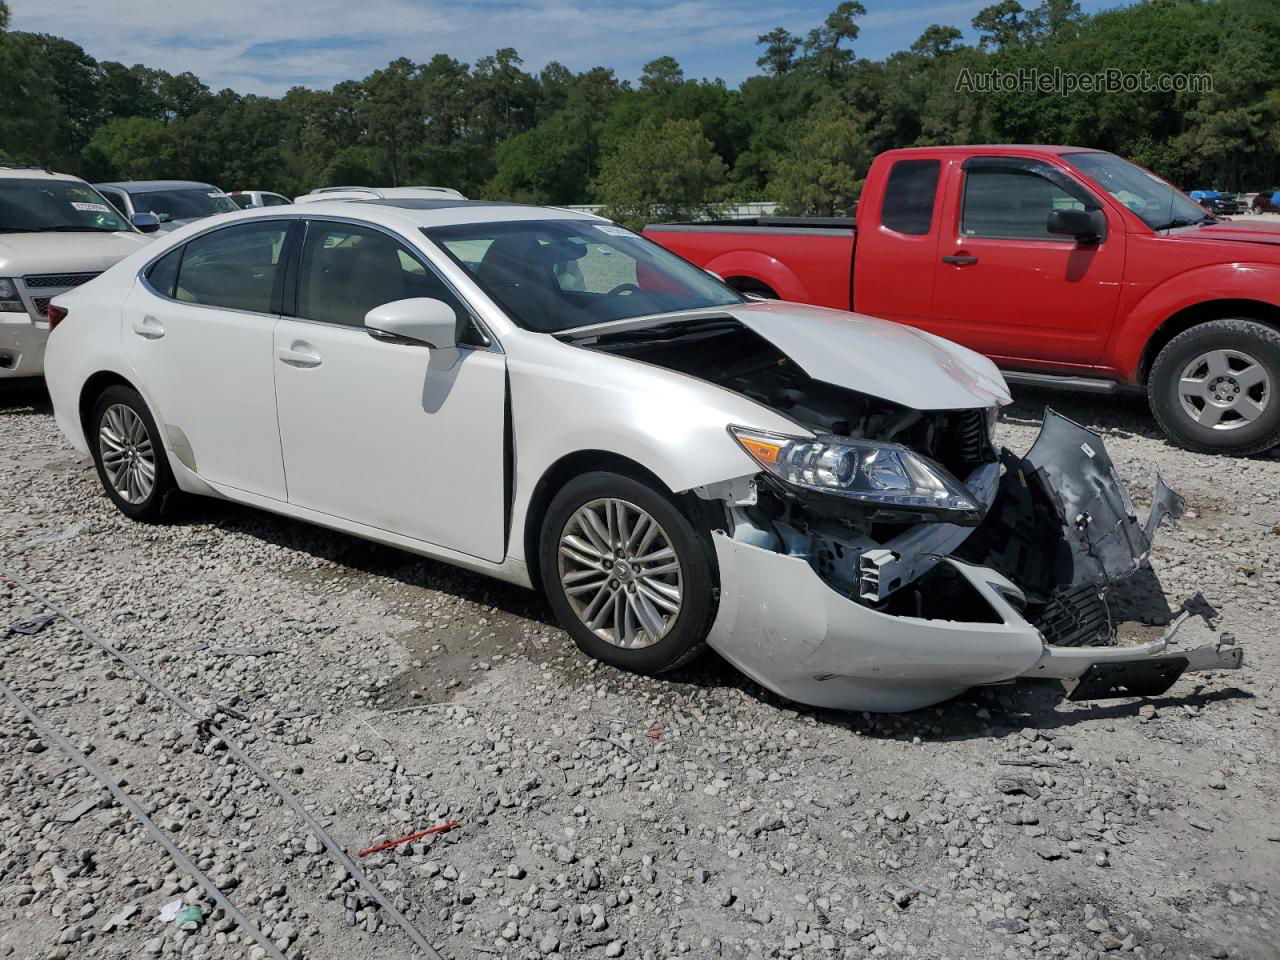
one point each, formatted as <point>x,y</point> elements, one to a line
<point>1011,203</point>
<point>347,270</point>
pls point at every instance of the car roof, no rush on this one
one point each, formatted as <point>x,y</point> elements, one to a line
<point>153,186</point>
<point>413,213</point>
<point>18,172</point>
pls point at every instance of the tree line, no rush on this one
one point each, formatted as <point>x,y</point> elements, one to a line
<point>801,131</point>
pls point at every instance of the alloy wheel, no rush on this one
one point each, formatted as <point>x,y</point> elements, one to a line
<point>620,573</point>
<point>128,455</point>
<point>1224,389</point>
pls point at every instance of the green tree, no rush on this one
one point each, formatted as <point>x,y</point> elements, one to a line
<point>139,148</point>
<point>823,171</point>
<point>1002,24</point>
<point>780,48</point>
<point>30,114</point>
<point>665,171</point>
<point>937,40</point>
<point>823,44</point>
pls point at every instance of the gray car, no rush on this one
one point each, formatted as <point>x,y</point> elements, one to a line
<point>174,202</point>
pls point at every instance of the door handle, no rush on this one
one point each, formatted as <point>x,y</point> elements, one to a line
<point>960,261</point>
<point>299,354</point>
<point>149,328</point>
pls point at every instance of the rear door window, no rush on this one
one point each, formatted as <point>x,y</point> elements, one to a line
<point>163,274</point>
<point>909,196</point>
<point>237,268</point>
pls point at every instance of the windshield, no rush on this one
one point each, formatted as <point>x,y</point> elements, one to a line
<point>553,275</point>
<point>37,205</point>
<point>242,200</point>
<point>1159,204</point>
<point>185,204</point>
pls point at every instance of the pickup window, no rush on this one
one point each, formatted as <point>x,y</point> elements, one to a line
<point>909,196</point>
<point>1013,203</point>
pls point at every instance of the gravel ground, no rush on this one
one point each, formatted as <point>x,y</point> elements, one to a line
<point>603,814</point>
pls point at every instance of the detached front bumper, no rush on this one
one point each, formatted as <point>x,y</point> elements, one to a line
<point>783,625</point>
<point>21,346</point>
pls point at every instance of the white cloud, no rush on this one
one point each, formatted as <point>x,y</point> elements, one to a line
<point>215,40</point>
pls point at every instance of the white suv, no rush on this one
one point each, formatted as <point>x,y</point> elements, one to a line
<point>56,232</point>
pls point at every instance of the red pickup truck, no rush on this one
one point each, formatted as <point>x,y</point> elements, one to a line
<point>1066,266</point>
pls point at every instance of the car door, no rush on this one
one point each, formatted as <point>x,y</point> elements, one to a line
<point>394,435</point>
<point>198,329</point>
<point>1006,286</point>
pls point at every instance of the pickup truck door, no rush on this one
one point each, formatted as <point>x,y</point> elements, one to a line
<point>1007,287</point>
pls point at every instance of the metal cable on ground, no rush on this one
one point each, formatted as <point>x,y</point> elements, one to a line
<point>130,804</point>
<point>239,753</point>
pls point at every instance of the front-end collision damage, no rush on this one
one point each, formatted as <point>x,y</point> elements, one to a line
<point>840,605</point>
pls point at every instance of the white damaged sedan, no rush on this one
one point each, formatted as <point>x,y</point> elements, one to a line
<point>545,397</point>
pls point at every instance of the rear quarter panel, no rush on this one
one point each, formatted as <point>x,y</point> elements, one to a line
<point>804,264</point>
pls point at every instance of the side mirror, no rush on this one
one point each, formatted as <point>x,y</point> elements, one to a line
<point>146,222</point>
<point>420,319</point>
<point>1073,223</point>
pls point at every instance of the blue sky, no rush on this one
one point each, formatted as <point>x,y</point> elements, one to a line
<point>266,46</point>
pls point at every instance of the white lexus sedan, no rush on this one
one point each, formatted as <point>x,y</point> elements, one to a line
<point>545,397</point>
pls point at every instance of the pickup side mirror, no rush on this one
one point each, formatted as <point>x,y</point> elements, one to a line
<point>146,222</point>
<point>1073,223</point>
<point>419,319</point>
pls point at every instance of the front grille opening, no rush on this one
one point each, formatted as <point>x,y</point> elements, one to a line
<point>41,304</point>
<point>941,594</point>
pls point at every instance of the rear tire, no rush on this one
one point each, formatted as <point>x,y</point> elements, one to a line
<point>129,454</point>
<point>627,573</point>
<point>1216,387</point>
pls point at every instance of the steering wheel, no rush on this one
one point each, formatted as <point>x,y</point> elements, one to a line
<point>623,289</point>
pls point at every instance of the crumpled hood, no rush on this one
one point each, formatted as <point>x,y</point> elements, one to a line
<point>878,357</point>
<point>1247,231</point>
<point>22,254</point>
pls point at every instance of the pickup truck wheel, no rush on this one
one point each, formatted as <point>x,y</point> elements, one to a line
<point>628,575</point>
<point>1216,387</point>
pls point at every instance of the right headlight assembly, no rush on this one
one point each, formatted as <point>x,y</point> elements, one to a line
<point>885,475</point>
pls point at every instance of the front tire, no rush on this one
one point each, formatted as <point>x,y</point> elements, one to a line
<point>129,455</point>
<point>628,574</point>
<point>1214,388</point>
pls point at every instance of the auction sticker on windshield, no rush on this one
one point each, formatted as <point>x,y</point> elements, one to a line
<point>91,207</point>
<point>614,231</point>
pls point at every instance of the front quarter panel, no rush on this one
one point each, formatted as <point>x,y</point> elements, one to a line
<point>1241,280</point>
<point>566,400</point>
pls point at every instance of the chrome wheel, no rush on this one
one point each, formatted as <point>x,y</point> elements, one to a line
<point>620,573</point>
<point>128,456</point>
<point>1224,389</point>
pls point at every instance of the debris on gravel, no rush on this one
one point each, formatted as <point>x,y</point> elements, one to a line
<point>603,814</point>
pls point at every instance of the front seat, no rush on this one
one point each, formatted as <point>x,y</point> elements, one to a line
<point>511,271</point>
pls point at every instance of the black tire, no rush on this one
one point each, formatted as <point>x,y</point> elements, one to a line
<point>153,506</point>
<point>686,635</point>
<point>1240,336</point>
